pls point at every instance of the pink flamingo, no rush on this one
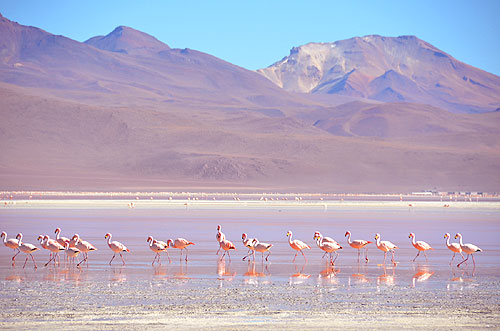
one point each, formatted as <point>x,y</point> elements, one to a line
<point>54,247</point>
<point>26,248</point>
<point>454,247</point>
<point>421,246</point>
<point>358,244</point>
<point>297,245</point>
<point>11,243</point>
<point>386,246</point>
<point>219,235</point>
<point>62,240</point>
<point>84,246</point>
<point>468,249</point>
<point>328,247</point>
<point>261,248</point>
<point>180,243</point>
<point>116,247</point>
<point>226,245</point>
<point>158,247</point>
<point>248,243</point>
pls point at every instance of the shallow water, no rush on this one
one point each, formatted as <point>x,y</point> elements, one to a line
<point>252,294</point>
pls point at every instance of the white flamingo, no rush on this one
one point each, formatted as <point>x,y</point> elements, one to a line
<point>468,249</point>
<point>158,246</point>
<point>53,246</point>
<point>11,243</point>
<point>328,247</point>
<point>26,248</point>
<point>248,243</point>
<point>84,246</point>
<point>421,246</point>
<point>116,247</point>
<point>297,245</point>
<point>454,247</point>
<point>180,243</point>
<point>261,248</point>
<point>386,246</point>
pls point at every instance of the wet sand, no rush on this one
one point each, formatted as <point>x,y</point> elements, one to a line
<point>205,293</point>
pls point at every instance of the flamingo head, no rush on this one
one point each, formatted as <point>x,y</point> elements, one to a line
<point>244,236</point>
<point>289,233</point>
<point>57,230</point>
<point>458,235</point>
<point>411,235</point>
<point>108,235</point>
<point>170,242</point>
<point>447,235</point>
<point>66,244</point>
<point>76,237</point>
<point>46,237</point>
<point>377,236</point>
<point>219,227</point>
<point>4,234</point>
<point>19,236</point>
<point>348,233</point>
<point>150,239</point>
<point>254,241</point>
<point>40,237</point>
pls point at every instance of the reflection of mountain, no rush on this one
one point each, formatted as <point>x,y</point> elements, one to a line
<point>125,111</point>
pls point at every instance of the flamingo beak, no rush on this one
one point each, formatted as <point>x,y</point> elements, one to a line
<point>456,236</point>
<point>445,236</point>
<point>409,236</point>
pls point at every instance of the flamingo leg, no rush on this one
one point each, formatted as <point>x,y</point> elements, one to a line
<point>385,256</point>
<point>51,259</point>
<point>122,258</point>
<point>33,260</point>
<point>24,265</point>
<point>229,255</point>
<point>366,255</point>
<point>324,255</point>
<point>425,256</point>
<point>218,251</point>
<point>168,255</point>
<point>358,255</point>
<point>303,255</point>
<point>473,261</point>
<point>416,256</point>
<point>109,260</point>
<point>453,257</point>
<point>336,256</point>
<point>267,257</point>
<point>295,256</point>
<point>458,265</point>
<point>14,257</point>
<point>392,259</point>
<point>154,259</point>
<point>85,259</point>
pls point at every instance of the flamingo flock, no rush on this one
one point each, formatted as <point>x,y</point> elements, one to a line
<point>76,246</point>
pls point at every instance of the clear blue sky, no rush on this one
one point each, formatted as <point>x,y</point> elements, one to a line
<point>254,33</point>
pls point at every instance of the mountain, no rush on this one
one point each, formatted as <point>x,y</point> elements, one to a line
<point>127,112</point>
<point>402,69</point>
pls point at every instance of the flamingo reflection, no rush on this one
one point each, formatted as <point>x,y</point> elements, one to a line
<point>421,275</point>
<point>385,278</point>
<point>299,276</point>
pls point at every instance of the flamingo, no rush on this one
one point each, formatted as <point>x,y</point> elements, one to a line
<point>54,247</point>
<point>180,243</point>
<point>328,247</point>
<point>62,240</point>
<point>158,247</point>
<point>219,235</point>
<point>468,249</point>
<point>386,246</point>
<point>26,248</point>
<point>421,246</point>
<point>226,245</point>
<point>11,243</point>
<point>72,252</point>
<point>116,247</point>
<point>325,239</point>
<point>358,244</point>
<point>84,246</point>
<point>454,247</point>
<point>297,245</point>
<point>248,243</point>
<point>261,248</point>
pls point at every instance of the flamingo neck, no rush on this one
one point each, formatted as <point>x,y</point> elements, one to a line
<point>378,241</point>
<point>57,234</point>
<point>460,238</point>
<point>448,241</point>
<point>290,238</point>
<point>349,238</point>
<point>413,240</point>
<point>4,239</point>
<point>109,240</point>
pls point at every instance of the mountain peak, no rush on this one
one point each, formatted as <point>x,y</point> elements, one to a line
<point>124,39</point>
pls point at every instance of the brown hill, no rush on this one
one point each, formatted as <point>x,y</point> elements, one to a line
<point>129,113</point>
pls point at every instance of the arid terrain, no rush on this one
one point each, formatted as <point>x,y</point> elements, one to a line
<point>125,111</point>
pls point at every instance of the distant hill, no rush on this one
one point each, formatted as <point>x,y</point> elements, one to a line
<point>127,112</point>
<point>401,69</point>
